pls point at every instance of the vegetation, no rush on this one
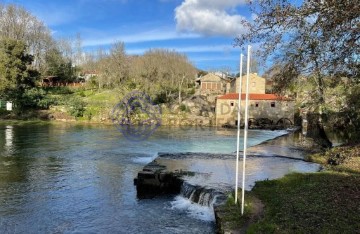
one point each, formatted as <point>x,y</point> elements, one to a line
<point>29,53</point>
<point>343,158</point>
<point>311,40</point>
<point>16,79</point>
<point>325,202</point>
<point>18,24</point>
<point>322,202</point>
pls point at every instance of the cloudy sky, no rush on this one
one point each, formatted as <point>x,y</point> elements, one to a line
<point>202,29</point>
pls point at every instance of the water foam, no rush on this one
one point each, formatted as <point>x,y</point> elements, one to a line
<point>194,210</point>
<point>145,160</point>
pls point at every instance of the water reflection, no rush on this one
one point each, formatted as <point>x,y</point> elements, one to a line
<point>9,135</point>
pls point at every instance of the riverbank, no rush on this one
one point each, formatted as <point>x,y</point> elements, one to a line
<point>324,202</point>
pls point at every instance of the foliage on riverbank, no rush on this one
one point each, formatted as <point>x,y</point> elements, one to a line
<point>322,202</point>
<point>91,106</point>
<point>343,159</point>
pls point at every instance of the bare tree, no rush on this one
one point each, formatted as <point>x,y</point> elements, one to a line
<point>314,39</point>
<point>18,24</point>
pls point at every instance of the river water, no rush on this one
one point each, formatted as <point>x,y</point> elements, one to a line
<point>62,178</point>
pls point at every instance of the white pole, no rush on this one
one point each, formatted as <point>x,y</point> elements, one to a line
<point>246,127</point>
<point>238,130</point>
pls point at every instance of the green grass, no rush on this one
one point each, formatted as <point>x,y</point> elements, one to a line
<point>324,202</point>
<point>97,104</point>
<point>230,214</point>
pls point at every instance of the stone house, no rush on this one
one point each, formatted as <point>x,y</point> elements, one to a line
<point>256,84</point>
<point>261,104</point>
<point>213,84</point>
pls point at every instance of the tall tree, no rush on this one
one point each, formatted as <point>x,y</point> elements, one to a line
<point>313,39</point>
<point>58,65</point>
<point>15,75</point>
<point>18,24</point>
<point>170,70</point>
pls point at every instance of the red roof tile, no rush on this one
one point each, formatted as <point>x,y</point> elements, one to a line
<point>253,96</point>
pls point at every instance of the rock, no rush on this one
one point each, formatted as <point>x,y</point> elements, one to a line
<point>154,180</point>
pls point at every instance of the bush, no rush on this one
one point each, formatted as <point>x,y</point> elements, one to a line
<point>36,98</point>
<point>76,107</point>
<point>183,107</point>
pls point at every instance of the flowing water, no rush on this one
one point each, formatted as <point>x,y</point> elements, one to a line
<point>79,179</point>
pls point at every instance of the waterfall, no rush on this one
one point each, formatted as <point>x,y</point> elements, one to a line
<point>202,195</point>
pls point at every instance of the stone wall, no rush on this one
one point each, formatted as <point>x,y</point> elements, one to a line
<point>226,110</point>
<point>256,85</point>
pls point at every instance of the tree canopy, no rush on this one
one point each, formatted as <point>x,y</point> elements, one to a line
<point>311,39</point>
<point>15,75</point>
<point>18,24</point>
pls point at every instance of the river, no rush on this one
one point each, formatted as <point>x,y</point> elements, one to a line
<point>67,178</point>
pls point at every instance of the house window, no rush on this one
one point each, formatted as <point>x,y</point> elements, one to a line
<point>256,104</point>
<point>272,104</point>
<point>231,103</point>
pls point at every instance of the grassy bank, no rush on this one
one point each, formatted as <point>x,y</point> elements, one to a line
<point>325,202</point>
<point>93,106</point>
<point>322,202</point>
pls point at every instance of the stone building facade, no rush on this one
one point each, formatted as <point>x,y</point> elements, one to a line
<point>261,105</point>
<point>256,84</point>
<point>212,84</point>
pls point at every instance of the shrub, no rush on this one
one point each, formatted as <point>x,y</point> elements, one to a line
<point>76,107</point>
<point>36,98</point>
<point>183,107</point>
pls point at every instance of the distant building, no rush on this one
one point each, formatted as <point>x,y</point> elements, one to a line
<point>214,84</point>
<point>256,84</point>
<point>87,75</point>
<point>261,105</point>
<point>267,106</point>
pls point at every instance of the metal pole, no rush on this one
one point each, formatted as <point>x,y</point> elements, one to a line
<point>238,130</point>
<point>246,127</point>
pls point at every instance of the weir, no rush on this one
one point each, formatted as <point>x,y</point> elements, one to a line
<point>203,196</point>
<point>201,182</point>
<point>155,180</point>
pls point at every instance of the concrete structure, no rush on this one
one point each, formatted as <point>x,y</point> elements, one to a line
<point>261,105</point>
<point>257,84</point>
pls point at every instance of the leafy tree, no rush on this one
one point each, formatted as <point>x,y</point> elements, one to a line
<point>57,65</point>
<point>315,39</point>
<point>15,75</point>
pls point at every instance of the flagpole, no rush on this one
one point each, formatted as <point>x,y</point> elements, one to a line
<point>238,130</point>
<point>246,127</point>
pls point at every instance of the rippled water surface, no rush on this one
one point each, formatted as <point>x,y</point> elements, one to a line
<point>76,178</point>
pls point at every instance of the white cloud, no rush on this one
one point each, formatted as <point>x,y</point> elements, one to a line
<point>210,17</point>
<point>188,49</point>
<point>151,35</point>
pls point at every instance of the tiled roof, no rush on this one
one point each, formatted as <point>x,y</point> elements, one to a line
<point>253,96</point>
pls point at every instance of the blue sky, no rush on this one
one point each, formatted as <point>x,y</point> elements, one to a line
<point>202,29</point>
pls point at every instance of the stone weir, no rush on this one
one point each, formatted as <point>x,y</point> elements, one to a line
<point>155,180</point>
